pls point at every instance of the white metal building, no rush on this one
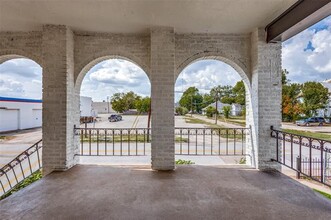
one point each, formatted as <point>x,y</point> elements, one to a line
<point>85,106</point>
<point>16,114</point>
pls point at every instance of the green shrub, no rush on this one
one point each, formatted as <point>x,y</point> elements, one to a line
<point>181,110</point>
<point>210,111</point>
<point>226,111</point>
<point>180,161</point>
<point>242,160</point>
<point>34,177</point>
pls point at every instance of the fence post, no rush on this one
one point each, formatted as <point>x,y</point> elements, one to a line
<point>298,167</point>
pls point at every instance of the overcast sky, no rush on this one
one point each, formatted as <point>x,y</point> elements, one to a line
<point>307,56</point>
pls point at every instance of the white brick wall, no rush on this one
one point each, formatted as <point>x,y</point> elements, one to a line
<point>162,96</point>
<point>58,98</point>
<point>20,44</point>
<point>66,57</point>
<point>265,101</point>
<point>92,48</point>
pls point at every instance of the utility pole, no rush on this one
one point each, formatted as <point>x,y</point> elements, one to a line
<point>149,120</point>
<point>191,105</point>
<point>216,113</point>
<point>108,103</point>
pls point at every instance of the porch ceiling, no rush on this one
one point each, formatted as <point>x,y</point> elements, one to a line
<point>190,192</point>
<point>128,16</point>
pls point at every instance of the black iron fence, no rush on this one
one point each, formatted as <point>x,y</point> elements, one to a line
<point>24,165</point>
<point>137,141</point>
<point>306,155</point>
<point>211,141</point>
<point>114,141</point>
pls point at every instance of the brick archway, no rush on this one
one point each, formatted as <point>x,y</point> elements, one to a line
<point>94,60</point>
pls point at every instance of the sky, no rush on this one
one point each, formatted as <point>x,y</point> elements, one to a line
<point>307,57</point>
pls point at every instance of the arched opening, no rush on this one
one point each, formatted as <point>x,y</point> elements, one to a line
<point>211,101</point>
<point>20,119</point>
<point>114,108</point>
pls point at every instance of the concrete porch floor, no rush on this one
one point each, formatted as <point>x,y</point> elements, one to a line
<point>190,192</point>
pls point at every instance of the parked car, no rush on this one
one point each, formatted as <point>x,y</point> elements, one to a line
<point>114,118</point>
<point>311,121</point>
<point>119,117</point>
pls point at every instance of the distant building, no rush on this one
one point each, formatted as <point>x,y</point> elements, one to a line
<point>85,106</point>
<point>17,114</point>
<point>236,109</point>
<point>326,112</point>
<point>102,107</point>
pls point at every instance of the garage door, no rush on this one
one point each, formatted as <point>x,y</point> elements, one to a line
<point>9,119</point>
<point>36,117</point>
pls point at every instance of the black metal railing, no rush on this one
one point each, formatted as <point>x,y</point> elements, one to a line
<point>137,141</point>
<point>306,155</point>
<point>114,141</point>
<point>21,167</point>
<point>211,141</point>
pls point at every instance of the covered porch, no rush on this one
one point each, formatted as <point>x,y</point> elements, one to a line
<point>190,192</point>
<point>68,42</point>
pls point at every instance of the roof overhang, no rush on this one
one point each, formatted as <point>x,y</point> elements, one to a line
<point>297,18</point>
<point>129,16</point>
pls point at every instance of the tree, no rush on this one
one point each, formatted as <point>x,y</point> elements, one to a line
<point>284,77</point>
<point>315,96</point>
<point>191,99</point>
<point>291,107</point>
<point>117,102</point>
<point>122,102</point>
<point>207,99</point>
<point>223,94</point>
<point>143,105</point>
<point>226,111</point>
<point>239,93</point>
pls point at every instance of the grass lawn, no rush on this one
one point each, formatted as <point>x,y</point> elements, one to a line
<point>230,134</point>
<point>310,134</point>
<point>237,120</point>
<point>200,121</point>
<point>326,195</point>
<point>6,138</point>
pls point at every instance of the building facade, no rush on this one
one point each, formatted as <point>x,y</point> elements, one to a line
<point>18,114</point>
<point>162,46</point>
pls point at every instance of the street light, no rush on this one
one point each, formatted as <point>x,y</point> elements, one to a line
<point>218,93</point>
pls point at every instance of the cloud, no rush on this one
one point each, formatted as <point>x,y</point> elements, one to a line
<point>205,75</point>
<point>20,78</point>
<point>112,76</point>
<point>307,56</point>
<point>10,87</point>
<point>21,67</point>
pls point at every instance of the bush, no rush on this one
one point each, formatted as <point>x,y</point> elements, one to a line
<point>210,111</point>
<point>34,177</point>
<point>242,160</point>
<point>181,110</point>
<point>179,161</point>
<point>226,111</point>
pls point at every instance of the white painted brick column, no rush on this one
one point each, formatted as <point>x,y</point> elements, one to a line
<point>264,108</point>
<point>59,145</point>
<point>162,96</point>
